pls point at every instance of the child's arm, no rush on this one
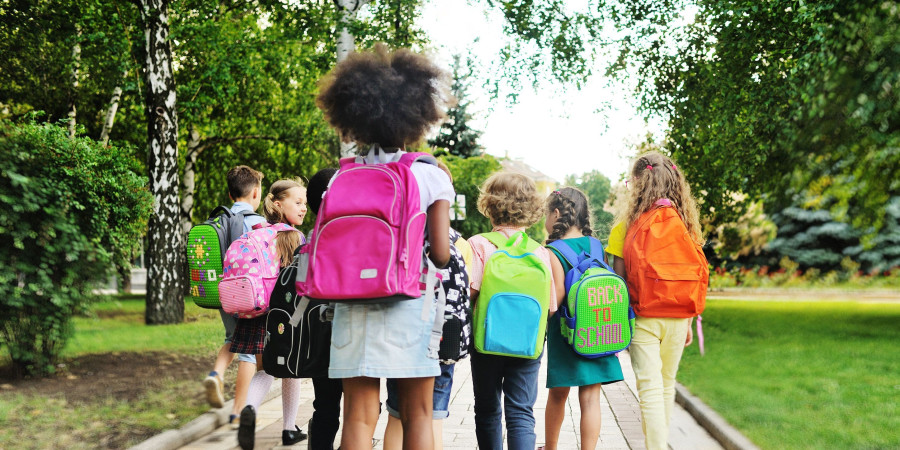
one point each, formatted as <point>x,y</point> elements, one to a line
<point>559,277</point>
<point>690,333</point>
<point>438,222</point>
<point>618,266</point>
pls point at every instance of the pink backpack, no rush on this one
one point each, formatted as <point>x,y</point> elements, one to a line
<point>250,271</point>
<point>367,241</point>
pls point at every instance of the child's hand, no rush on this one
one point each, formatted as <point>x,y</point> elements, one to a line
<point>690,336</point>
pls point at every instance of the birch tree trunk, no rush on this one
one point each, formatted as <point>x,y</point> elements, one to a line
<point>188,178</point>
<point>165,240</point>
<point>111,111</point>
<point>346,45</point>
<point>76,63</point>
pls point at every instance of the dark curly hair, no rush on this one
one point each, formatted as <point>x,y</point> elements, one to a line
<point>383,97</point>
<point>574,210</point>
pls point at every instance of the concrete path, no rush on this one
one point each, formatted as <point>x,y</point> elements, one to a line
<point>620,428</point>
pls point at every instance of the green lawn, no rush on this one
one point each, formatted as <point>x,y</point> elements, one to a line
<point>801,374</point>
<point>116,326</point>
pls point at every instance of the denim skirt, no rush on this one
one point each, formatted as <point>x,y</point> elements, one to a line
<point>383,340</point>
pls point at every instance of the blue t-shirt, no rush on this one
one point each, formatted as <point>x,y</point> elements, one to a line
<point>249,221</point>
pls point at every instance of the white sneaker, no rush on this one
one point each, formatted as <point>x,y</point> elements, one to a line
<point>214,395</point>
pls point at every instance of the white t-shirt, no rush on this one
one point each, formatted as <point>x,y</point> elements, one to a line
<point>434,184</point>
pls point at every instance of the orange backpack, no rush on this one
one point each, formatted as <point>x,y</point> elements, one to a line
<point>667,272</point>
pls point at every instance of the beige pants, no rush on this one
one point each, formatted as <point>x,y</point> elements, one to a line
<point>656,350</point>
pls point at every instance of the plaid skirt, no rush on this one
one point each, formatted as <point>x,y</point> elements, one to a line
<point>249,336</point>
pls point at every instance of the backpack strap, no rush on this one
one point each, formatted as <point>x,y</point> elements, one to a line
<point>408,159</point>
<point>566,251</point>
<point>500,241</point>
<point>221,210</point>
<point>434,290</point>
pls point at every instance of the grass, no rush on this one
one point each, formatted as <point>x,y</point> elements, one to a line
<point>117,325</point>
<point>801,374</point>
<point>107,419</point>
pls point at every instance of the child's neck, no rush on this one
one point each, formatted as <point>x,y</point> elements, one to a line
<point>572,233</point>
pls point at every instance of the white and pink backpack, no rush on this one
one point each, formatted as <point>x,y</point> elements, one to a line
<point>250,271</point>
<point>367,242</point>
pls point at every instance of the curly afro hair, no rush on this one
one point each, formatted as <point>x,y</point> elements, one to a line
<point>383,97</point>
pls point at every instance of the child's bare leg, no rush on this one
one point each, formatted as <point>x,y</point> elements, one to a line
<point>554,415</point>
<point>223,358</point>
<point>245,373</point>
<point>361,410</point>
<point>393,434</point>
<point>415,397</point>
<point>589,401</point>
<point>438,431</point>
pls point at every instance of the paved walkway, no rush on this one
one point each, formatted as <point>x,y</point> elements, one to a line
<point>620,428</point>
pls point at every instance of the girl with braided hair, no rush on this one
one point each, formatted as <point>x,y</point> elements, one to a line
<point>569,219</point>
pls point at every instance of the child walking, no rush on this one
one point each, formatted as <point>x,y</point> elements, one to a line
<point>512,204</point>
<point>455,281</point>
<point>244,188</point>
<point>326,417</point>
<point>659,194</point>
<point>569,220</point>
<point>285,203</point>
<point>384,101</point>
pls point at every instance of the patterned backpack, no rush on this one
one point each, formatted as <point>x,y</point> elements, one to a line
<point>298,331</point>
<point>457,324</point>
<point>596,318</point>
<point>206,247</point>
<point>251,270</point>
<point>510,317</point>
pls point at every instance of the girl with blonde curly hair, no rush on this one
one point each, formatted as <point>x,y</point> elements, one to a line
<point>511,202</point>
<point>659,337</point>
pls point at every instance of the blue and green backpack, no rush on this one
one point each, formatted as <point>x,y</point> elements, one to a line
<point>510,317</point>
<point>596,318</point>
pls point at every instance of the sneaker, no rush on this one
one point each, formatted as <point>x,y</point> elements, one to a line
<point>291,437</point>
<point>233,421</point>
<point>213,386</point>
<point>247,428</point>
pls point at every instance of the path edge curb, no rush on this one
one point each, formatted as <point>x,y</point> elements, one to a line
<point>718,427</point>
<point>204,424</point>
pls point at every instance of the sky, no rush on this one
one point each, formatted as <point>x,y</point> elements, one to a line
<point>556,133</point>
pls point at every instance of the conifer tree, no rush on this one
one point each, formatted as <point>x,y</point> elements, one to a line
<point>456,136</point>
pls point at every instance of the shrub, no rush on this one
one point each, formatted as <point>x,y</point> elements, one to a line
<point>69,209</point>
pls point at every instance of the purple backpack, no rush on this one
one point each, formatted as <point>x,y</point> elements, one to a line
<point>366,245</point>
<point>250,271</point>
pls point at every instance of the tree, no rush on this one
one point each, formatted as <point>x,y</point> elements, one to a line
<point>456,135</point>
<point>597,188</point>
<point>70,210</point>
<point>165,238</point>
<point>468,176</point>
<point>767,98</point>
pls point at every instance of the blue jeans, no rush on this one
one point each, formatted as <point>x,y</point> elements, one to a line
<point>517,380</point>
<point>440,399</point>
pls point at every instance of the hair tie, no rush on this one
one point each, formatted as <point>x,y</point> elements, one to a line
<point>649,167</point>
<point>673,167</point>
<point>557,192</point>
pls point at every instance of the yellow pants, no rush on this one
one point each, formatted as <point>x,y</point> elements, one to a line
<point>655,351</point>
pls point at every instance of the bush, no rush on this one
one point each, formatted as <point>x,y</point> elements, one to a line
<point>468,176</point>
<point>69,209</point>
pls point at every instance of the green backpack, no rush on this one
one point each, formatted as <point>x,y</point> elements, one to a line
<point>206,246</point>
<point>510,317</point>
